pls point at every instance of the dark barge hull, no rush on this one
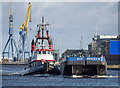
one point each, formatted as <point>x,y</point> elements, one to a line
<point>90,68</point>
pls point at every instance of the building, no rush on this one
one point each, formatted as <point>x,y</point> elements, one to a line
<point>98,48</point>
<point>56,55</point>
<point>109,46</point>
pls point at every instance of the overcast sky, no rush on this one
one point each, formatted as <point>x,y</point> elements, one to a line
<point>69,21</point>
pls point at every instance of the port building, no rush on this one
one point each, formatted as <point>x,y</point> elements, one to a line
<point>106,45</point>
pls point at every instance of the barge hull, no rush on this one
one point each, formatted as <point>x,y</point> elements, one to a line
<point>83,68</point>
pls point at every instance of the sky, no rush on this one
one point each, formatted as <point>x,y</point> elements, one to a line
<point>69,21</point>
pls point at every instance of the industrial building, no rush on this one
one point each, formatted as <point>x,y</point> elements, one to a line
<point>108,46</point>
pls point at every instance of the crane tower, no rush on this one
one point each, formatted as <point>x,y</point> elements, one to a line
<point>10,47</point>
<point>23,43</point>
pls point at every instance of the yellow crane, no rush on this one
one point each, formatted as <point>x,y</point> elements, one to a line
<point>24,25</point>
<point>23,35</point>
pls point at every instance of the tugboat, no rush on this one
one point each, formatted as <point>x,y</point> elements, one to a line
<point>42,60</point>
<point>81,66</point>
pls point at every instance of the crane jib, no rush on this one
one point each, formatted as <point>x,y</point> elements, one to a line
<point>27,17</point>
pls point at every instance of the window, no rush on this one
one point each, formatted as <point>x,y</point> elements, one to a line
<point>48,52</point>
<point>51,52</point>
<point>35,53</point>
<point>55,55</point>
<point>44,52</point>
<point>39,52</point>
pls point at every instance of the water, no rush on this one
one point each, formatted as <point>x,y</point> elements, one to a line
<point>11,77</point>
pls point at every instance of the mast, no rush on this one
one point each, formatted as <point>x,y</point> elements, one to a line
<point>42,30</point>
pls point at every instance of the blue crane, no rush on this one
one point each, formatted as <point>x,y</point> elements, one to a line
<point>10,47</point>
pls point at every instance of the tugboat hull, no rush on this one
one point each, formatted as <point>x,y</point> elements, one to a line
<point>41,69</point>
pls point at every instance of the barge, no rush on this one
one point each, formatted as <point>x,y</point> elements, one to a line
<point>88,66</point>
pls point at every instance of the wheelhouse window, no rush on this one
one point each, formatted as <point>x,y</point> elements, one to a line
<point>39,52</point>
<point>35,53</point>
<point>48,52</point>
<point>44,52</point>
<point>51,52</point>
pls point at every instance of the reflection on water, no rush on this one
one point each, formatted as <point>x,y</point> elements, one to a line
<point>11,77</point>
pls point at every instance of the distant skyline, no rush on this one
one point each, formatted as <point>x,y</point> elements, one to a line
<point>69,21</point>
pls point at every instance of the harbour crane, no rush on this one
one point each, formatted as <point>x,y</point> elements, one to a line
<point>23,44</point>
<point>10,48</point>
<point>24,25</point>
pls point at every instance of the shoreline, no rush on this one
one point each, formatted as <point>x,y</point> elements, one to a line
<point>13,63</point>
<point>109,67</point>
<point>113,67</point>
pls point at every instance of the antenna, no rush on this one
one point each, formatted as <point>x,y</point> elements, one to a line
<point>81,43</point>
<point>96,30</point>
